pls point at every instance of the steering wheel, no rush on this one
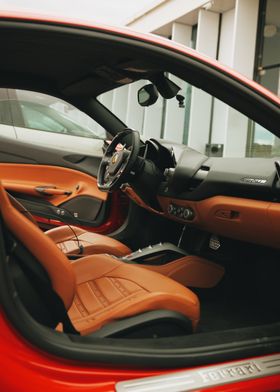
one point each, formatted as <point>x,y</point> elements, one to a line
<point>115,166</point>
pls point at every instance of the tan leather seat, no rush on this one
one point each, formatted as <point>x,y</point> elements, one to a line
<point>108,289</point>
<point>98,289</point>
<point>70,238</point>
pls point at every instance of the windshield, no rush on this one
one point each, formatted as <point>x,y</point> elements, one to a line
<point>201,122</point>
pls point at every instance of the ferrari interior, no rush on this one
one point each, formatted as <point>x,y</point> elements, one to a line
<point>155,251</point>
<point>106,290</point>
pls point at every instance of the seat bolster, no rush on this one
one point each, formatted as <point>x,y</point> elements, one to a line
<point>98,243</point>
<point>92,243</point>
<point>42,248</point>
<point>93,267</point>
<point>63,233</point>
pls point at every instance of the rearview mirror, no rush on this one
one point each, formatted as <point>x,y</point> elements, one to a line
<point>147,95</point>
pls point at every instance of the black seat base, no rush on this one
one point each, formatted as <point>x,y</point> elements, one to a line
<point>153,324</point>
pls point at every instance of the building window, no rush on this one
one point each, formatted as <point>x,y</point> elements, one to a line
<point>267,73</point>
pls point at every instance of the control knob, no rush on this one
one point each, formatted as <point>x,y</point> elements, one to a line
<point>188,214</point>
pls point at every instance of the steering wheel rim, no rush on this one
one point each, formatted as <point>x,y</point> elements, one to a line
<point>116,165</point>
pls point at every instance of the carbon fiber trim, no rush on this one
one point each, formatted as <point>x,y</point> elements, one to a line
<point>205,377</point>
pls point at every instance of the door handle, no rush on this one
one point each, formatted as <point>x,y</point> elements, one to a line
<point>52,191</point>
<point>32,189</point>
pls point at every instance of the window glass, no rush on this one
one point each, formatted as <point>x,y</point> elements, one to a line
<point>202,122</point>
<point>43,120</point>
<point>48,119</point>
<point>42,112</point>
<point>36,119</point>
<point>267,72</point>
<point>268,51</point>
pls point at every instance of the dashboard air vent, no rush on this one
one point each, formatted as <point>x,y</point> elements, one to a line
<point>199,177</point>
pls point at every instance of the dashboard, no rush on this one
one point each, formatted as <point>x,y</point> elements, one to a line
<point>234,197</point>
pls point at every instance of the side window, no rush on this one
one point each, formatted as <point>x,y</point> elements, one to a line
<point>45,118</point>
<point>47,121</point>
<point>36,119</point>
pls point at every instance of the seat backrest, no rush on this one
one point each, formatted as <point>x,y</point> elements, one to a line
<point>55,263</point>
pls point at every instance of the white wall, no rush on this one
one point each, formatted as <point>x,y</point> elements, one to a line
<point>174,118</point>
<point>135,113</point>
<point>220,112</point>
<point>242,59</point>
<point>237,50</point>
<point>163,13</point>
<point>201,102</point>
<point>120,101</point>
<point>153,120</point>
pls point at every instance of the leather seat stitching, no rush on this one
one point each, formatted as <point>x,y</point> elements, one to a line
<point>129,280</point>
<point>105,310</point>
<point>120,287</point>
<point>80,306</point>
<point>97,292</point>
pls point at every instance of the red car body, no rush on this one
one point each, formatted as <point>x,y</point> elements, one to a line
<point>23,367</point>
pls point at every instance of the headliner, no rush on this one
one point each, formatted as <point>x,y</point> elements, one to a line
<point>42,60</point>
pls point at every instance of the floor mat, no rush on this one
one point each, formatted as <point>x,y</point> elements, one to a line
<point>220,314</point>
<point>217,316</point>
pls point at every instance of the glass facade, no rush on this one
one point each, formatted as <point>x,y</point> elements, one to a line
<point>267,72</point>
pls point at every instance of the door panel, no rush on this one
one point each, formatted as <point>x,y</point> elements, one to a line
<point>52,163</point>
<point>67,194</point>
<point>58,187</point>
<point>48,215</point>
<point>14,151</point>
<point>24,178</point>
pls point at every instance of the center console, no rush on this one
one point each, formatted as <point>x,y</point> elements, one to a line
<point>172,261</point>
<point>158,254</point>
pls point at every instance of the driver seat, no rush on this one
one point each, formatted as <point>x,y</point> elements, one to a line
<point>74,241</point>
<point>95,290</point>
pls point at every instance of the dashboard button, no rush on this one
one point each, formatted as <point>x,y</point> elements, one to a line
<point>185,213</point>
